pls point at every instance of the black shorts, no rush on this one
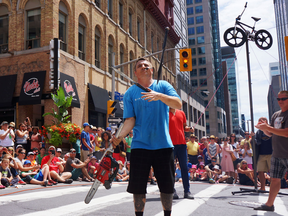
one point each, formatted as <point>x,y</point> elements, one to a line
<point>27,179</point>
<point>161,160</point>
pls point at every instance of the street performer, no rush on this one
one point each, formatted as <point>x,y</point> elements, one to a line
<point>147,113</point>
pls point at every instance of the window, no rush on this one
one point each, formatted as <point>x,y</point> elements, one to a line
<point>198,1</point>
<point>191,31</point>
<point>205,103</point>
<point>109,7</point>
<point>191,113</point>
<point>130,23</point>
<point>199,19</point>
<point>121,59</point>
<point>138,30</point>
<point>121,14</point>
<point>207,114</point>
<point>189,10</point>
<point>97,3</point>
<point>201,50</point>
<point>81,38</point>
<point>200,40</point>
<point>188,2</point>
<point>202,61</point>
<point>152,42</point>
<point>97,47</point>
<point>63,13</point>
<point>274,68</point>
<point>33,28</point>
<point>202,71</point>
<point>191,41</point>
<point>131,65</point>
<point>194,62</point>
<point>193,50</point>
<point>207,127</point>
<point>199,9</point>
<point>195,115</point>
<point>194,83</point>
<point>110,53</point>
<point>190,20</point>
<point>203,82</point>
<point>4,29</point>
<point>200,29</point>
<point>193,73</point>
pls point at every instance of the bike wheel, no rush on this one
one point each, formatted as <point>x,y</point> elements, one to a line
<point>263,39</point>
<point>235,38</point>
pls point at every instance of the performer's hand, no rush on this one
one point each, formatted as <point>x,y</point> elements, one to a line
<point>262,126</point>
<point>115,141</point>
<point>151,96</point>
<point>192,130</point>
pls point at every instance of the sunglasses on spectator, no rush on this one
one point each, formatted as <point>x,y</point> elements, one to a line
<point>59,151</point>
<point>214,160</point>
<point>244,163</point>
<point>212,138</point>
<point>282,99</point>
<point>22,152</point>
<point>73,152</point>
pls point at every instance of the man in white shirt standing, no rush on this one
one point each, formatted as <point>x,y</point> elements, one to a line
<point>6,135</point>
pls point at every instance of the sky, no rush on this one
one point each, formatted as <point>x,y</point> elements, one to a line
<point>259,59</point>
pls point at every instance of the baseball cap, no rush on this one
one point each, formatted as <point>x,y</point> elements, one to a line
<point>86,124</point>
<point>201,164</point>
<point>72,150</point>
<point>67,154</point>
<point>4,122</point>
<point>30,153</point>
<point>19,146</point>
<point>59,150</point>
<point>27,161</point>
<point>108,129</point>
<point>199,156</point>
<point>194,166</point>
<point>189,165</point>
<point>93,157</point>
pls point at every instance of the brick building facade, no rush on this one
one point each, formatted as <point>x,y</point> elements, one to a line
<point>90,31</point>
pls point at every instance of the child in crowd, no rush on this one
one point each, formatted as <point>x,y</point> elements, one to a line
<point>193,173</point>
<point>5,174</point>
<point>202,172</point>
<point>247,155</point>
<point>178,176</point>
<point>121,175</point>
<point>216,176</point>
<point>92,166</point>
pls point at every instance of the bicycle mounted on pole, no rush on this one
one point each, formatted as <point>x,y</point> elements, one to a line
<point>236,37</point>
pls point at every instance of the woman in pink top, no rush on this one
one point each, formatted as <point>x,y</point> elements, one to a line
<point>226,162</point>
<point>35,139</point>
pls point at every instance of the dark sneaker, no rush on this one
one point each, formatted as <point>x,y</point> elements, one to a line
<point>45,183</point>
<point>175,195</point>
<point>68,181</point>
<point>188,196</point>
<point>53,182</point>
<point>153,182</point>
<point>264,207</point>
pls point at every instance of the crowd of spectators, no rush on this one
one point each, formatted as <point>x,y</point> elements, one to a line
<point>24,159</point>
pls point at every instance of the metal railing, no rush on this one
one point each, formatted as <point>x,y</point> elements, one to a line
<point>81,55</point>
<point>33,43</point>
<point>3,48</point>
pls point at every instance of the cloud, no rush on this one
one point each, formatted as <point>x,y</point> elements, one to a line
<point>259,59</point>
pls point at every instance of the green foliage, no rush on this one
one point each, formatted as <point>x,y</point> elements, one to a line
<point>62,103</point>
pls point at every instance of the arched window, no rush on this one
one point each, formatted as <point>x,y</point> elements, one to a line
<point>81,37</point>
<point>131,57</point>
<point>122,59</point>
<point>97,47</point>
<point>63,15</point>
<point>110,53</point>
<point>33,24</point>
<point>4,29</point>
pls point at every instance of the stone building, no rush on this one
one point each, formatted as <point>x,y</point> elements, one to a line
<point>90,31</point>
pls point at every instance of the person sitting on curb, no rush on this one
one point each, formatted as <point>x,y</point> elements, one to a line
<point>92,166</point>
<point>56,168</point>
<point>77,167</point>
<point>121,174</point>
<point>5,174</point>
<point>210,169</point>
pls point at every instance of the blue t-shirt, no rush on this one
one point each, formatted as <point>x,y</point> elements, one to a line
<point>87,138</point>
<point>151,130</point>
<point>178,173</point>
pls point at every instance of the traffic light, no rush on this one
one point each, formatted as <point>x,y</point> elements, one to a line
<point>185,60</point>
<point>111,107</point>
<point>286,47</point>
<point>54,74</point>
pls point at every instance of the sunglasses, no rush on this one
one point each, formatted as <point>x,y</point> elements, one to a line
<point>214,160</point>
<point>22,153</point>
<point>244,163</point>
<point>282,99</point>
<point>73,152</point>
<point>212,138</point>
<point>59,151</point>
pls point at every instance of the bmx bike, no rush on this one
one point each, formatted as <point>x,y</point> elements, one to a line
<point>236,37</point>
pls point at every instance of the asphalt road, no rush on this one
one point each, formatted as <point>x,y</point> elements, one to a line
<point>69,200</point>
